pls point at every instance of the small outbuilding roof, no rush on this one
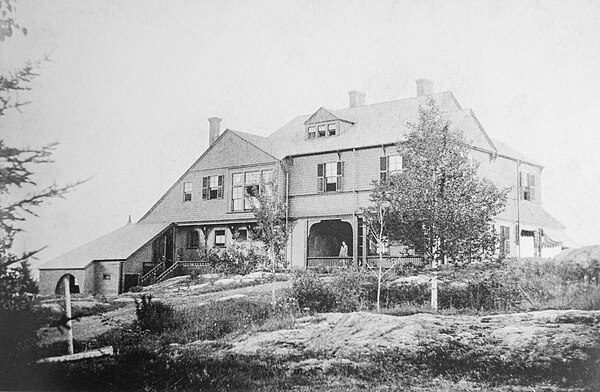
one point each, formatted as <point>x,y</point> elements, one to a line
<point>117,245</point>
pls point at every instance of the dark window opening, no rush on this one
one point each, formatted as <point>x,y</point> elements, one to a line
<point>193,239</point>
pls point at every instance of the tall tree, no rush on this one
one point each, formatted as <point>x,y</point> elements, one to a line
<point>438,203</point>
<point>19,197</point>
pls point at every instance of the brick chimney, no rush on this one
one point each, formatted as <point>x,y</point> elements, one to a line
<point>215,130</point>
<point>424,87</point>
<point>357,98</point>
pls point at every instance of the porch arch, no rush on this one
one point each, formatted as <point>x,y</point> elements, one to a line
<point>73,285</point>
<point>325,238</point>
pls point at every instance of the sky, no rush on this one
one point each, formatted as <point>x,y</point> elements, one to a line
<point>129,87</point>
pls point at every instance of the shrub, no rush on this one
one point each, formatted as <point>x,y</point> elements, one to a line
<point>237,259</point>
<point>155,317</point>
<point>312,293</point>
<point>350,289</point>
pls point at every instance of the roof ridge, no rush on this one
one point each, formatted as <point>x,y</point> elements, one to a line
<point>395,100</point>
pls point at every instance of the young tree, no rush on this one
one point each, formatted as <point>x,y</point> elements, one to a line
<point>272,226</point>
<point>438,204</point>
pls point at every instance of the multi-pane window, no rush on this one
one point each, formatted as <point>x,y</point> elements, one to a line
<point>329,176</point>
<point>212,187</point>
<point>247,186</point>
<point>527,185</point>
<point>252,187</point>
<point>389,165</point>
<point>332,129</point>
<point>504,240</point>
<point>237,192</point>
<point>193,239</point>
<point>187,191</point>
<point>220,238</point>
<point>322,130</point>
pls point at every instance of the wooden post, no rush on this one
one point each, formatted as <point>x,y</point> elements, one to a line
<point>67,284</point>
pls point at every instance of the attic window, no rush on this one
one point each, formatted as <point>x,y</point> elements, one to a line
<point>322,130</point>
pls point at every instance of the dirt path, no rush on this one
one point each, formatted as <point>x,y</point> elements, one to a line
<point>89,327</point>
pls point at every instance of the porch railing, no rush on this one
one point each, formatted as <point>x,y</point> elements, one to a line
<point>151,276</point>
<point>328,262</point>
<point>390,261</point>
<point>372,261</point>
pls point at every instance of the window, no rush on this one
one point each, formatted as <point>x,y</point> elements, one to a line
<point>241,234</point>
<point>220,238</point>
<point>237,192</point>
<point>246,186</point>
<point>251,187</point>
<point>187,191</point>
<point>193,239</point>
<point>527,185</point>
<point>504,240</point>
<point>212,187</point>
<point>331,129</point>
<point>389,165</point>
<point>322,130</point>
<point>329,176</point>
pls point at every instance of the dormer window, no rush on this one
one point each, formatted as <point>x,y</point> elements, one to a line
<point>332,129</point>
<point>322,130</point>
<point>323,123</point>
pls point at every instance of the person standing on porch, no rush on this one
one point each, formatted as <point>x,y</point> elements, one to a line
<point>344,250</point>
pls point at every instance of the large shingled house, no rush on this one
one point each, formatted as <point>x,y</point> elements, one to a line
<point>323,164</point>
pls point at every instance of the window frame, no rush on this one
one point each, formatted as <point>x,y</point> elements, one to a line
<point>323,177</point>
<point>250,187</point>
<point>208,191</point>
<point>527,185</point>
<point>224,236</point>
<point>384,166</point>
<point>187,193</point>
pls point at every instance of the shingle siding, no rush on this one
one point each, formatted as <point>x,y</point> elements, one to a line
<point>229,155</point>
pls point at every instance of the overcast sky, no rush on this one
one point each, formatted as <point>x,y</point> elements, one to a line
<point>131,85</point>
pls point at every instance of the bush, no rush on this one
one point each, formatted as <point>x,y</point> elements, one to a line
<point>237,259</point>
<point>155,317</point>
<point>312,293</point>
<point>350,290</point>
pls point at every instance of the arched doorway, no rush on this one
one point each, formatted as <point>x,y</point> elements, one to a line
<point>325,238</point>
<point>73,286</point>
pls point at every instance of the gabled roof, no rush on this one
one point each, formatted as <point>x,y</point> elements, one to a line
<point>323,115</point>
<point>117,245</point>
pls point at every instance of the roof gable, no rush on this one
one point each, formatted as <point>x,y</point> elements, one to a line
<point>324,115</point>
<point>231,149</point>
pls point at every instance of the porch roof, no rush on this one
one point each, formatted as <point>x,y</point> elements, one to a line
<point>529,214</point>
<point>117,245</point>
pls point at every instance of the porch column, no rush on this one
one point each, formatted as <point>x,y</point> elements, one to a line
<point>355,240</point>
